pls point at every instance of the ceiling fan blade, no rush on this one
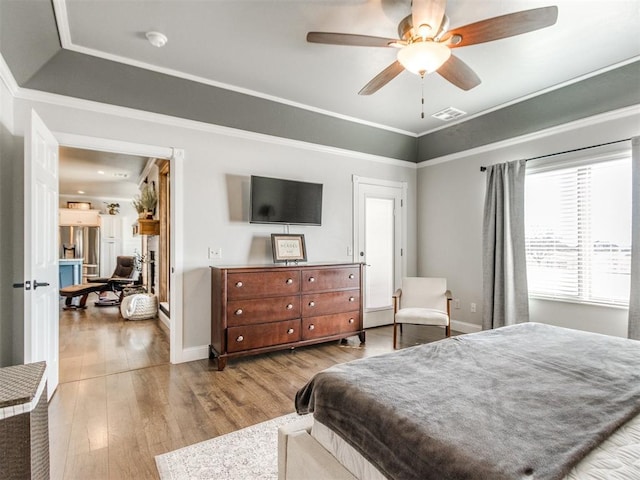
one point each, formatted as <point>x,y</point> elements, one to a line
<point>427,12</point>
<point>380,80</point>
<point>349,39</point>
<point>501,27</point>
<point>459,73</point>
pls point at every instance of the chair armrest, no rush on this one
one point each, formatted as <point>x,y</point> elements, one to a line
<point>448,295</point>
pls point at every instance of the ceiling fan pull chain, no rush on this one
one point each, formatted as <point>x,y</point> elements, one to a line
<point>422,100</point>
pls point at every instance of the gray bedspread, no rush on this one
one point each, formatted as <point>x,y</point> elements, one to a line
<point>521,402</point>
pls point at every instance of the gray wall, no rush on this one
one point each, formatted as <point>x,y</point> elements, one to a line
<point>450,207</point>
<point>11,221</point>
<point>216,172</point>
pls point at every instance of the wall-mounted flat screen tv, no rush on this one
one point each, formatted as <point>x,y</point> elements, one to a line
<point>276,200</point>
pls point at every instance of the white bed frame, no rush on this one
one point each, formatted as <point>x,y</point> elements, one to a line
<point>301,457</point>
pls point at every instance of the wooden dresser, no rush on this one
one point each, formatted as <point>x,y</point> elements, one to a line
<point>262,309</point>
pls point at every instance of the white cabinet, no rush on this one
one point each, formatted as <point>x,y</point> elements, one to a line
<point>109,251</point>
<point>111,227</point>
<point>74,216</point>
<point>110,243</point>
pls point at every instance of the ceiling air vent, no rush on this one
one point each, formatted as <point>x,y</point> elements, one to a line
<point>121,175</point>
<point>449,113</point>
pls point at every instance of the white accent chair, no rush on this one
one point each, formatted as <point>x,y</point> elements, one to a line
<point>422,301</point>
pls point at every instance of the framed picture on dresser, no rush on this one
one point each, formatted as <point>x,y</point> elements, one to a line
<point>288,248</point>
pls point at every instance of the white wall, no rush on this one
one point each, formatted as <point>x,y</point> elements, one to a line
<point>217,166</point>
<point>450,207</point>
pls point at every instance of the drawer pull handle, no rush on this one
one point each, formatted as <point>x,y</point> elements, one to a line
<point>312,304</point>
<point>290,331</point>
<point>240,338</point>
<point>312,327</point>
<point>351,320</point>
<point>239,284</point>
<point>290,306</point>
<point>238,311</point>
<point>352,276</point>
<point>352,299</point>
<point>312,279</point>
<point>289,281</point>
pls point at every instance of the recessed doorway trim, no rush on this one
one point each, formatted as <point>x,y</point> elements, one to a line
<point>176,157</point>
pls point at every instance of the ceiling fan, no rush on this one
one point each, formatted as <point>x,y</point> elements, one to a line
<point>425,41</point>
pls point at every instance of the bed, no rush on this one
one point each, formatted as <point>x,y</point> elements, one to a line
<point>529,401</point>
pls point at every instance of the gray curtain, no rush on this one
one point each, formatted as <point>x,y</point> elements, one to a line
<point>505,296</point>
<point>634,297</point>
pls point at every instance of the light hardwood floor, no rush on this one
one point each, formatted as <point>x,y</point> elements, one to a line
<point>120,402</point>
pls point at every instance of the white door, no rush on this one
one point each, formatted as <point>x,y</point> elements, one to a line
<point>41,249</point>
<point>379,243</point>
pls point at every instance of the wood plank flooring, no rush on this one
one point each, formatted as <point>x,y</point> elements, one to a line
<point>97,341</point>
<point>108,422</point>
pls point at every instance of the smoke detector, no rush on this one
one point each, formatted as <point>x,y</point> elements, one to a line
<point>157,39</point>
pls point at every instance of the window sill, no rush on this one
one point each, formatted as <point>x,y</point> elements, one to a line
<point>579,302</point>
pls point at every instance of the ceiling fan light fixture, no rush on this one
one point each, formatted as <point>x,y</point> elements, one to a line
<point>423,57</point>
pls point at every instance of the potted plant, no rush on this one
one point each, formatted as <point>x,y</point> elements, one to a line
<point>146,202</point>
<point>112,208</point>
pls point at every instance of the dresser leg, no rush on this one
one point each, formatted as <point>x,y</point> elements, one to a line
<point>363,337</point>
<point>222,362</point>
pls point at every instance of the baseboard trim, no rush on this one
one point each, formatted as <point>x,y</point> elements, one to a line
<point>191,354</point>
<point>164,320</point>
<point>202,352</point>
<point>465,327</point>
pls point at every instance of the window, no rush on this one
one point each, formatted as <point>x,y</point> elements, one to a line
<point>578,228</point>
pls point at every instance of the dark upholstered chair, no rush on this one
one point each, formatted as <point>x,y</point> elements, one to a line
<point>124,274</point>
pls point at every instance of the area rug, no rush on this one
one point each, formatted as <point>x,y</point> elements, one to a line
<point>250,453</point>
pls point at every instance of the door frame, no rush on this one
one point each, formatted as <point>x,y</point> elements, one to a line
<point>403,187</point>
<point>176,158</point>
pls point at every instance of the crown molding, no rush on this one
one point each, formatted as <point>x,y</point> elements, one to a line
<point>7,78</point>
<point>559,129</point>
<point>64,31</point>
<point>532,95</point>
<point>159,118</point>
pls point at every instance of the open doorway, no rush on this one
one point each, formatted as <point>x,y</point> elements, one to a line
<point>101,185</point>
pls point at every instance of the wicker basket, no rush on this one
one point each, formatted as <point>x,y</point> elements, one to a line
<point>140,306</point>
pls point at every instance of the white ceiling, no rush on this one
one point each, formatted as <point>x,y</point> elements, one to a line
<point>259,47</point>
<point>99,174</point>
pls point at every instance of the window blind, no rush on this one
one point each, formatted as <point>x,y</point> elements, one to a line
<point>578,230</point>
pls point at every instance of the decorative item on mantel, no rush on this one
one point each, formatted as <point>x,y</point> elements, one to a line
<point>112,208</point>
<point>145,203</point>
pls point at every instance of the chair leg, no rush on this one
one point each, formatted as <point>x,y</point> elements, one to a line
<point>395,334</point>
<point>447,330</point>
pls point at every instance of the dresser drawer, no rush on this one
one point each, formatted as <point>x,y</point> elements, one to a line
<point>262,310</point>
<point>330,279</point>
<point>262,284</point>
<point>314,304</point>
<point>326,325</point>
<point>262,335</point>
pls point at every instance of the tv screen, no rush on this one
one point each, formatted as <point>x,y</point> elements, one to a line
<point>276,200</point>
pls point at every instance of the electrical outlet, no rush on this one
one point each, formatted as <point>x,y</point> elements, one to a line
<point>456,303</point>
<point>215,253</point>
<point>473,308</point>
